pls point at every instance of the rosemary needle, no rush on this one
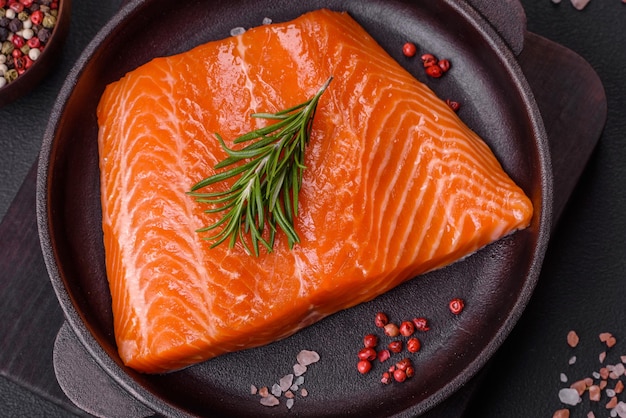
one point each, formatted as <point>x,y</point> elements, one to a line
<point>265,196</point>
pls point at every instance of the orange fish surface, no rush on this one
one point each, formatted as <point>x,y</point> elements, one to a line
<point>396,185</point>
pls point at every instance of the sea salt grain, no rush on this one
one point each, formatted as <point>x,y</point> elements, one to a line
<point>269,400</point>
<point>306,357</point>
<point>580,4</point>
<point>286,382</point>
<point>569,396</point>
<point>563,378</point>
<point>299,369</point>
<point>289,403</point>
<point>237,31</point>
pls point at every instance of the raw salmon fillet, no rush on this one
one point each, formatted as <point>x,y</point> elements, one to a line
<point>395,186</point>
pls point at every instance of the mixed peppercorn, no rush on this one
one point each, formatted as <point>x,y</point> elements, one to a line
<point>25,28</point>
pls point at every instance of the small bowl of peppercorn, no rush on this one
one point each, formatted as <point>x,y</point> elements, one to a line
<point>32,33</point>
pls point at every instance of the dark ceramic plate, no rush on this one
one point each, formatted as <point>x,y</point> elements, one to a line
<point>496,282</point>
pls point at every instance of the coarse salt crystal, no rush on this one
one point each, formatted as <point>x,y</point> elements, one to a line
<point>299,369</point>
<point>237,31</point>
<point>304,393</point>
<point>594,393</point>
<point>610,393</point>
<point>569,396</point>
<point>561,413</point>
<point>563,378</point>
<point>580,4</point>
<point>621,409</point>
<point>253,390</point>
<point>276,390</point>
<point>269,400</point>
<point>580,386</point>
<point>572,339</point>
<point>602,356</point>
<point>267,20</point>
<point>591,415</point>
<point>286,382</point>
<point>572,360</point>
<point>289,403</point>
<point>306,357</point>
<point>612,403</point>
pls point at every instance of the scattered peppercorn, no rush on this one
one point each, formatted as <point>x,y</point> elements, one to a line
<point>386,379</point>
<point>456,306</point>
<point>407,328</point>
<point>381,320</point>
<point>25,29</point>
<point>409,49</point>
<point>404,363</point>
<point>395,346</point>
<point>413,345</point>
<point>444,64</point>
<point>453,105</point>
<point>421,324</point>
<point>434,71</point>
<point>429,60</point>
<point>383,355</point>
<point>399,375</point>
<point>370,341</point>
<point>367,353</point>
<point>364,366</point>
<point>392,330</point>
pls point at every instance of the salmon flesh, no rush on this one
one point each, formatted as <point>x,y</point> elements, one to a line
<point>395,185</point>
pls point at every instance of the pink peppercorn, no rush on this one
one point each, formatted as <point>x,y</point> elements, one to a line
<point>17,7</point>
<point>409,49</point>
<point>421,324</point>
<point>370,341</point>
<point>367,353</point>
<point>34,42</point>
<point>413,345</point>
<point>381,320</point>
<point>456,306</point>
<point>434,71</point>
<point>399,375</point>
<point>36,17</point>
<point>383,355</point>
<point>407,328</point>
<point>364,366</point>
<point>18,41</point>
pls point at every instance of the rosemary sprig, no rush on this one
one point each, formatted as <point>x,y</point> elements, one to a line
<point>270,169</point>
